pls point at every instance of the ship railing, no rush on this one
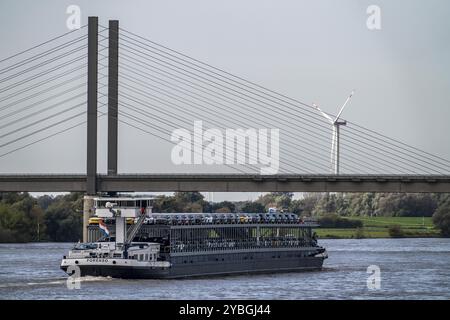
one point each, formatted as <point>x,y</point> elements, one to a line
<point>309,223</point>
<point>237,245</point>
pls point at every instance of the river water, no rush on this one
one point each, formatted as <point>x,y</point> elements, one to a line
<point>409,269</point>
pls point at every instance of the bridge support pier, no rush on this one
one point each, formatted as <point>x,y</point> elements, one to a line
<point>88,210</point>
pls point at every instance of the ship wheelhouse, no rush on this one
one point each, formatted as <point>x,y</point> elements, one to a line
<point>130,207</point>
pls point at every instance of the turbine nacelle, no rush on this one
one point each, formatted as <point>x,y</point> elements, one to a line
<point>340,122</point>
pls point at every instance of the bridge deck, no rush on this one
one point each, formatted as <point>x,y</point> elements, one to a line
<point>227,183</point>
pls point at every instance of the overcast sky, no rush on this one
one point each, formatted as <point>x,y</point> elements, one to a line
<point>314,51</point>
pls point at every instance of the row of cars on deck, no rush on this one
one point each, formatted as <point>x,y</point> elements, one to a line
<point>221,218</point>
<point>211,218</point>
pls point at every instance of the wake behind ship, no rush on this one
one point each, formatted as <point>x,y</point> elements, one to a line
<point>152,245</point>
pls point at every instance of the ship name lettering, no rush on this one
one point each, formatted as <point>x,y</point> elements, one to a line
<point>96,260</point>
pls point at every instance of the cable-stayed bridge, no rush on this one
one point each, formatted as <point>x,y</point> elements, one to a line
<point>75,79</point>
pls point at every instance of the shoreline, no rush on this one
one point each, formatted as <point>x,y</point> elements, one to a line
<point>372,233</point>
<point>331,237</point>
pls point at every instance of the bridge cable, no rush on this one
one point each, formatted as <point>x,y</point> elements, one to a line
<point>241,115</point>
<point>200,115</point>
<point>274,92</point>
<point>167,122</point>
<point>43,43</point>
<point>397,146</point>
<point>50,136</point>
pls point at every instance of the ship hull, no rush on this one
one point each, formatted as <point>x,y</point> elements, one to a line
<point>211,265</point>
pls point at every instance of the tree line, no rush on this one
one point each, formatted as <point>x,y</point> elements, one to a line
<point>24,218</point>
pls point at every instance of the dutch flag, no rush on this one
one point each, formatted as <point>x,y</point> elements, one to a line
<point>103,227</point>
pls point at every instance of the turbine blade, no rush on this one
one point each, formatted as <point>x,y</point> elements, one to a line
<point>344,105</point>
<point>323,113</point>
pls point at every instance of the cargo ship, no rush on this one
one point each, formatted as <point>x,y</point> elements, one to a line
<point>181,245</point>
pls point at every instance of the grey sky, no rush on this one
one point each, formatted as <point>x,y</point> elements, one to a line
<point>310,50</point>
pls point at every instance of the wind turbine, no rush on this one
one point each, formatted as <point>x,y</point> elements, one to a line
<point>336,123</point>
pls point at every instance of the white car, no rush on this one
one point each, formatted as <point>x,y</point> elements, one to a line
<point>149,220</point>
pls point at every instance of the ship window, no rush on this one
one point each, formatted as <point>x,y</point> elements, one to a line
<point>146,257</point>
<point>141,257</point>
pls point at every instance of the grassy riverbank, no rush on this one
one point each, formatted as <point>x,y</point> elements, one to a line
<point>379,227</point>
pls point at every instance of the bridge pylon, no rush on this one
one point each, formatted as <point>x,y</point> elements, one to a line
<point>92,186</point>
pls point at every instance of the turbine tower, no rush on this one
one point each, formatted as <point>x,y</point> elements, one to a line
<point>336,123</point>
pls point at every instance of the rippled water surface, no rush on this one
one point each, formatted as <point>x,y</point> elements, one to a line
<point>410,269</point>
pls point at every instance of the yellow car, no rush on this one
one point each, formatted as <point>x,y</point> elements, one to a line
<point>243,219</point>
<point>94,220</point>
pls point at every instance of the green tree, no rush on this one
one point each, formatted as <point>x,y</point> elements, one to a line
<point>326,205</point>
<point>306,205</point>
<point>44,201</point>
<point>359,233</point>
<point>167,204</point>
<point>186,197</point>
<point>230,206</point>
<point>441,217</point>
<point>193,207</point>
<point>7,223</point>
<point>37,214</point>
<point>405,204</point>
<point>15,222</point>
<point>63,218</point>
<point>332,220</point>
<point>253,207</point>
<point>361,204</point>
<point>395,231</point>
<point>222,210</point>
<point>279,200</point>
